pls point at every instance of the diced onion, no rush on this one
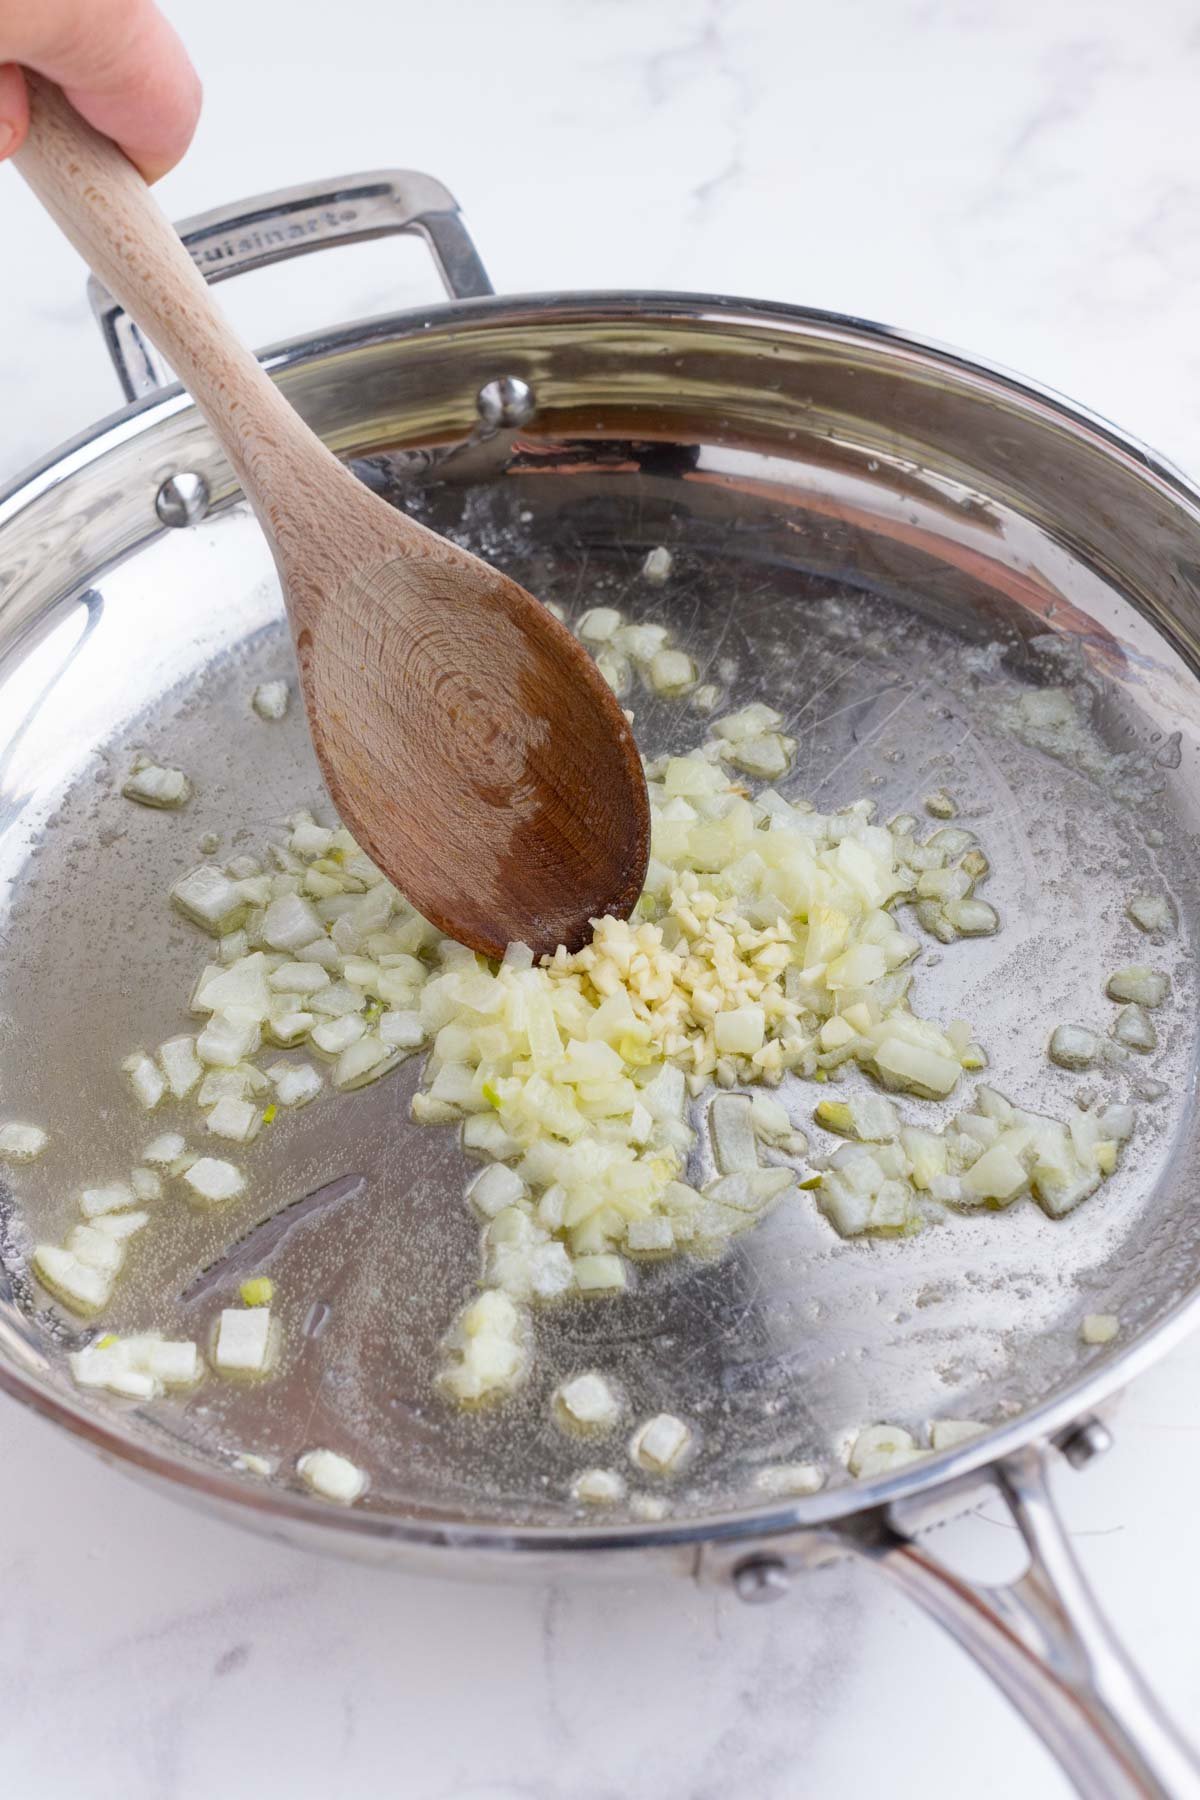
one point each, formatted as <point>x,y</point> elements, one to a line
<point>243,1343</point>
<point>1144,986</point>
<point>1152,912</point>
<point>781,1480</point>
<point>661,1444</point>
<point>113,1198</point>
<point>948,1434</point>
<point>22,1143</point>
<point>180,1065</point>
<point>82,1288</point>
<point>332,1476</point>
<point>146,1080</point>
<point>270,699</point>
<point>1074,1047</point>
<point>151,786</point>
<point>880,1448</point>
<point>237,1120</point>
<point>1135,1028</point>
<point>587,1402</point>
<point>598,1487</point>
<point>164,1149</point>
<point>214,1181</point>
<point>657,566</point>
<point>296,1083</point>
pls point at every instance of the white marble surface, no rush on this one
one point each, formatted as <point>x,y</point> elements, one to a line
<point>1020,181</point>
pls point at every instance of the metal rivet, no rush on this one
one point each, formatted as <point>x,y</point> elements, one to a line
<point>761,1579</point>
<point>1085,1441</point>
<point>182,499</point>
<point>506,401</point>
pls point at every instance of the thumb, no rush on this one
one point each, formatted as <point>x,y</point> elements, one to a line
<point>119,63</point>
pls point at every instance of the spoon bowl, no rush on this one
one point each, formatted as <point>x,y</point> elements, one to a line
<point>468,741</point>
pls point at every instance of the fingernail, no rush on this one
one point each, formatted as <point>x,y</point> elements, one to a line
<point>8,137</point>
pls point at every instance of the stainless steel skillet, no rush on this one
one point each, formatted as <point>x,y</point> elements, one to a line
<point>893,544</point>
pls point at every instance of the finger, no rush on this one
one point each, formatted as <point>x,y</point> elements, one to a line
<point>119,63</point>
<point>14,110</point>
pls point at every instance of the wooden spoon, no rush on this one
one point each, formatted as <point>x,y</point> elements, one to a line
<point>467,739</point>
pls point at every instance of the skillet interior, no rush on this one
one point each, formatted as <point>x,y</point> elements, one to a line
<point>884,542</point>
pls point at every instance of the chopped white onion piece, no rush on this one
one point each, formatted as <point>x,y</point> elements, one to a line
<point>487,1350</point>
<point>657,566</point>
<point>151,786</point>
<point>298,978</point>
<point>734,1141</point>
<point>741,1031</point>
<point>672,672</point>
<point>270,699</point>
<point>146,1184</point>
<point>296,1083</point>
<point>1074,1047</point>
<point>971,918</point>
<point>598,625</point>
<point>96,1249</point>
<point>81,1288</point>
<point>243,1343</point>
<point>948,1434</point>
<point>1146,987</point>
<point>364,1061</point>
<point>641,642</point>
<point>224,1084</point>
<point>164,1149</point>
<point>880,1448</point>
<point>213,1180</point>
<point>249,1463</point>
<point>21,1143</point>
<point>237,1120</point>
<point>495,1188</point>
<point>650,1507</point>
<point>113,1198</point>
<point>749,1190</point>
<point>145,1079</point>
<point>598,1487</point>
<point>291,922</point>
<point>600,1274</point>
<point>337,1035</point>
<point>870,1118</point>
<point>227,1040</point>
<point>112,1368</point>
<point>121,1225</point>
<point>180,1064</point>
<point>647,1237</point>
<point>1135,1028</point>
<point>588,1402</point>
<point>1117,1122</point>
<point>1099,1328</point>
<point>332,1476</point>
<point>781,1480</point>
<point>660,1444</point>
<point>766,754</point>
<point>1152,912</point>
<point>209,898</point>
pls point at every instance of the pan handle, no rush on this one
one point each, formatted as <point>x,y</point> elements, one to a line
<point>270,228</point>
<point>1046,1644</point>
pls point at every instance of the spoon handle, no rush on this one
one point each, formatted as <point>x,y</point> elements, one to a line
<point>108,213</point>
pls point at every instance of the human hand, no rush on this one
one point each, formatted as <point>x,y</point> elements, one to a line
<point>119,63</point>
